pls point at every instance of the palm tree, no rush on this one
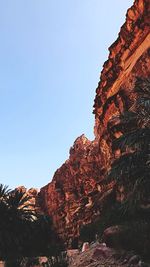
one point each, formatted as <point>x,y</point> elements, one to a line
<point>16,213</point>
<point>4,191</point>
<point>19,204</point>
<point>131,170</point>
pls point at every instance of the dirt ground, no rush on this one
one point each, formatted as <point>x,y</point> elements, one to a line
<point>98,255</point>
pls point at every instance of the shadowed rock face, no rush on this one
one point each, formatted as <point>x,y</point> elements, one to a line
<point>73,198</point>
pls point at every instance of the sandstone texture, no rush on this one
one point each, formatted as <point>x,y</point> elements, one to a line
<point>71,196</point>
<point>76,193</point>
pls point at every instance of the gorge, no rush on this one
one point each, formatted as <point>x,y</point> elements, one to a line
<point>76,193</point>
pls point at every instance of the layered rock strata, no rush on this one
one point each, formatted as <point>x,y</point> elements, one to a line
<point>74,196</point>
<point>129,59</point>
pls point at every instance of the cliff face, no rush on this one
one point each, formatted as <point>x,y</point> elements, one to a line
<point>128,60</point>
<point>74,196</point>
<point>70,197</point>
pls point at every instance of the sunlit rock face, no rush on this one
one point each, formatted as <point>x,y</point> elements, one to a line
<point>128,60</point>
<point>73,198</point>
<point>70,197</point>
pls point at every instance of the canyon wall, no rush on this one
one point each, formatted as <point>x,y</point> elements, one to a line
<point>74,197</point>
<point>71,196</point>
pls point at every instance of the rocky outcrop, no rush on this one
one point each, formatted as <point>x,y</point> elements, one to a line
<point>129,58</point>
<point>134,235</point>
<point>74,196</point>
<point>101,255</point>
<point>71,197</point>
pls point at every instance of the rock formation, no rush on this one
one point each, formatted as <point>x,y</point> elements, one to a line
<point>101,255</point>
<point>73,198</point>
<point>128,60</point>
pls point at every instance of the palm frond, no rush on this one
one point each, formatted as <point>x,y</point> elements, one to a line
<point>132,138</point>
<point>18,199</point>
<point>4,191</point>
<point>129,166</point>
<point>142,85</point>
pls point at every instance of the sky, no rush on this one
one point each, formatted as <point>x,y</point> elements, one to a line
<point>51,56</point>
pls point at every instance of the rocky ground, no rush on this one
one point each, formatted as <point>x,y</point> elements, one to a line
<point>99,255</point>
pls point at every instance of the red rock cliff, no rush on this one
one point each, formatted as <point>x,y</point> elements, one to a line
<point>70,197</point>
<point>73,197</point>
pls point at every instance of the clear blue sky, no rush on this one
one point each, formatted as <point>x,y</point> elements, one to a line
<point>51,55</point>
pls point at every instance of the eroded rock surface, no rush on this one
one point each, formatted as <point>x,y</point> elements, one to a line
<point>73,198</point>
